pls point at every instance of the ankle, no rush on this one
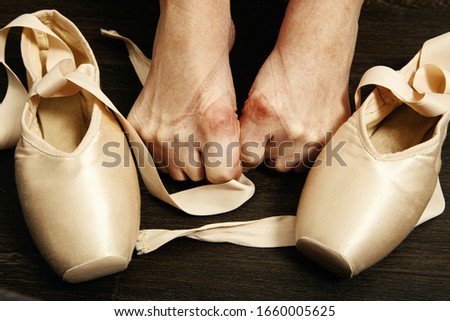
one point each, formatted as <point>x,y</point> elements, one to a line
<point>197,23</point>
<point>315,19</point>
<point>212,12</point>
<point>351,6</point>
<point>315,29</point>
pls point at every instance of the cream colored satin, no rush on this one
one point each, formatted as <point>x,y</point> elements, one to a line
<point>351,216</point>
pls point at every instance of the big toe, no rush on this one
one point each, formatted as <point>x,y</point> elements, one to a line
<point>257,130</point>
<point>220,150</point>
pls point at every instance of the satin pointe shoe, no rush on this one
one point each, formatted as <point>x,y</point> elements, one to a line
<point>83,215</point>
<point>378,177</point>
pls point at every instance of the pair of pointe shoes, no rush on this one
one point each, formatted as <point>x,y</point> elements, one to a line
<point>83,214</point>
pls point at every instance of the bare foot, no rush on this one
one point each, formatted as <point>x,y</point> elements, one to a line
<point>187,108</point>
<point>301,91</point>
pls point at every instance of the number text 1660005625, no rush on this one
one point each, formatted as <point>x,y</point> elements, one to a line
<point>299,311</point>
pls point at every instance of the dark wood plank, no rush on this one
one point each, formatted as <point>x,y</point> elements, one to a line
<point>391,32</point>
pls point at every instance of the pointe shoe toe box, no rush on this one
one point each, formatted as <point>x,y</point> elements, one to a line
<point>325,256</point>
<point>352,216</point>
<point>83,216</point>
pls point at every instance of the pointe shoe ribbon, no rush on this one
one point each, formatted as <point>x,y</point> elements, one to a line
<point>428,92</point>
<point>423,84</point>
<point>16,95</point>
<point>55,83</point>
<point>140,62</point>
<point>275,231</point>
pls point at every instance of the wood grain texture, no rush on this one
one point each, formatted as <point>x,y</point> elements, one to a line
<point>390,33</point>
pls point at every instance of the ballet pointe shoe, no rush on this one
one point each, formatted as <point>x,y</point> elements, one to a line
<point>82,211</point>
<point>378,176</point>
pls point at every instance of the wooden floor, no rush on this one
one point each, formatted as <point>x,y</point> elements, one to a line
<point>390,33</point>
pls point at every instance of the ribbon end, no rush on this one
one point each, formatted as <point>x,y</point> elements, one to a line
<point>141,244</point>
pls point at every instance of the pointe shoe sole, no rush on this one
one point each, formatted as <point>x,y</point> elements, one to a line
<point>95,269</point>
